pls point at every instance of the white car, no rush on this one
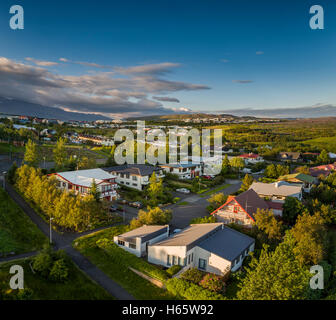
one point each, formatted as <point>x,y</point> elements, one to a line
<point>183,190</point>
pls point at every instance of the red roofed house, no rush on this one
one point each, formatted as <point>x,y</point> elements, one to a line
<point>324,170</point>
<point>241,209</point>
<point>251,158</point>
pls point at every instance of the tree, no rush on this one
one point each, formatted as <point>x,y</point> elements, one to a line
<point>309,234</point>
<point>12,172</point>
<point>225,166</point>
<point>94,190</point>
<point>31,155</point>
<point>86,163</point>
<point>303,169</point>
<point>154,189</point>
<point>217,199</point>
<point>237,163</point>
<point>323,158</point>
<point>271,172</point>
<point>291,209</point>
<point>153,216</point>
<point>275,275</point>
<point>266,222</point>
<point>247,181</point>
<point>60,154</point>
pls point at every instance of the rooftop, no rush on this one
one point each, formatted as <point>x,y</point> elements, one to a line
<point>227,243</point>
<point>280,188</point>
<point>85,177</point>
<point>298,176</point>
<point>190,235</point>
<point>142,231</point>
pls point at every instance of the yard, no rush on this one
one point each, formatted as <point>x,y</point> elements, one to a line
<point>77,287</point>
<point>114,261</point>
<point>5,148</point>
<point>17,232</point>
<point>215,190</point>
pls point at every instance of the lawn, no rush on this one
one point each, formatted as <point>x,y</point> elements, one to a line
<point>5,148</point>
<point>215,190</point>
<point>115,261</point>
<point>328,143</point>
<point>17,232</point>
<point>183,203</point>
<point>77,287</point>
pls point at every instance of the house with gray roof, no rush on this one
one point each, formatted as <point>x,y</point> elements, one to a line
<point>277,191</point>
<point>210,247</point>
<point>184,170</point>
<point>134,176</point>
<point>136,241</point>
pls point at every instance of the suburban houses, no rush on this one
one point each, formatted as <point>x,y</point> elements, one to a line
<point>251,158</point>
<point>134,175</point>
<point>80,181</point>
<point>183,170</point>
<point>241,209</point>
<point>277,191</point>
<point>305,180</point>
<point>137,241</point>
<point>210,247</point>
<point>290,156</point>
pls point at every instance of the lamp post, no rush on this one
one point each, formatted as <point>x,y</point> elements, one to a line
<point>4,180</point>
<point>50,231</point>
<point>44,163</point>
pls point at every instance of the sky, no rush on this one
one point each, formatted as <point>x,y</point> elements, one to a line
<point>142,57</point>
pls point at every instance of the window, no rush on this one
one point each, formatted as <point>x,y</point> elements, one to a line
<point>134,178</point>
<point>132,246</point>
<point>168,260</point>
<point>179,261</point>
<point>174,260</point>
<point>235,209</point>
<point>202,264</point>
<point>192,257</point>
<point>134,184</point>
<point>127,175</point>
<point>121,243</point>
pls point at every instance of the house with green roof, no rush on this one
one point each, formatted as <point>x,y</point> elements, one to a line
<point>306,180</point>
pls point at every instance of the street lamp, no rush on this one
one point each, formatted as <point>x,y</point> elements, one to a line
<point>50,232</point>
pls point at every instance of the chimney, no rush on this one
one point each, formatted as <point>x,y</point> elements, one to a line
<point>277,184</point>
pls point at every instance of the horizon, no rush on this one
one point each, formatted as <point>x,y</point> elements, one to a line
<point>138,59</point>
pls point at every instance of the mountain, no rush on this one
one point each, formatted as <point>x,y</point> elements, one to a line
<point>316,111</point>
<point>18,107</point>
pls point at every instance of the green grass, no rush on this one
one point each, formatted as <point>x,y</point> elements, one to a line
<point>215,190</point>
<point>17,232</point>
<point>5,148</point>
<point>328,143</point>
<point>183,203</point>
<point>77,287</point>
<point>115,261</point>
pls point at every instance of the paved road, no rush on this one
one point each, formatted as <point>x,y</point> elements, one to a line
<point>64,241</point>
<point>196,207</point>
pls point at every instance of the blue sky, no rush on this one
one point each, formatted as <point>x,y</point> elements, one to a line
<point>215,55</point>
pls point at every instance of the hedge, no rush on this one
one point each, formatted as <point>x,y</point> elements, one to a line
<point>190,291</point>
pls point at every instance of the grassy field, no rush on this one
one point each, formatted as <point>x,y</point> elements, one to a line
<point>77,287</point>
<point>115,261</point>
<point>328,143</point>
<point>17,232</point>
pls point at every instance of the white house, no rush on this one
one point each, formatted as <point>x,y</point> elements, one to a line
<point>134,175</point>
<point>80,181</point>
<point>251,158</point>
<point>277,191</point>
<point>183,170</point>
<point>211,247</point>
<point>137,241</point>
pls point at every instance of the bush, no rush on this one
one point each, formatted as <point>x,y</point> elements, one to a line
<point>59,272</point>
<point>176,199</point>
<point>193,274</point>
<point>173,270</point>
<point>43,263</point>
<point>213,283</point>
<point>190,291</point>
<point>206,219</point>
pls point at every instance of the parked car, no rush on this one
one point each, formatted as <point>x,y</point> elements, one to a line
<point>113,209</point>
<point>123,201</point>
<point>207,177</point>
<point>135,204</point>
<point>183,190</point>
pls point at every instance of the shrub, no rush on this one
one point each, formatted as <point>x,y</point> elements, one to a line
<point>213,283</point>
<point>59,272</point>
<point>43,263</point>
<point>190,291</point>
<point>194,275</point>
<point>25,294</point>
<point>206,219</point>
<point>176,199</point>
<point>173,270</point>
